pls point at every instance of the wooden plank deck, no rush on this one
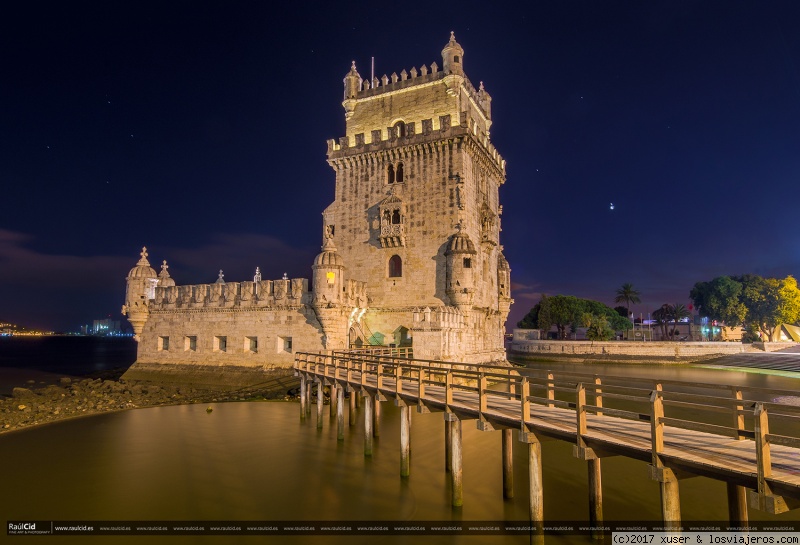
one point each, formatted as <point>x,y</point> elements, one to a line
<point>688,451</point>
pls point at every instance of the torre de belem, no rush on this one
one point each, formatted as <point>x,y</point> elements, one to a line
<point>411,252</point>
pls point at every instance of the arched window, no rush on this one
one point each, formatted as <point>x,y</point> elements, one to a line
<point>390,174</point>
<point>396,217</point>
<point>400,129</point>
<point>395,267</point>
<point>399,173</point>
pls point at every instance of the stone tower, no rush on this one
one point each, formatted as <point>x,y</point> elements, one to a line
<point>416,213</point>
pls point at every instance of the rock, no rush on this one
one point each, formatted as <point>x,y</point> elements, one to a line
<point>31,382</point>
<point>63,381</point>
<point>22,407</point>
<point>21,392</point>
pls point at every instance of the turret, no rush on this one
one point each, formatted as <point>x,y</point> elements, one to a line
<point>327,277</point>
<point>352,84</point>
<point>141,282</point>
<point>453,57</point>
<point>460,258</point>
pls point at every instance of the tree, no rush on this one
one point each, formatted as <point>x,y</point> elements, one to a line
<point>662,316</point>
<point>565,311</point>
<point>627,294</point>
<point>560,311</point>
<point>597,328</point>
<point>720,300</point>
<point>679,312</point>
<point>531,320</point>
<point>770,302</point>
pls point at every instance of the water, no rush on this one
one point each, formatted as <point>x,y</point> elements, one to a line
<point>45,359</point>
<point>259,461</point>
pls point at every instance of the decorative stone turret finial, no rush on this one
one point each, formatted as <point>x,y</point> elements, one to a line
<point>143,259</point>
<point>352,83</point>
<point>285,276</point>
<point>257,277</point>
<point>221,278</point>
<point>164,279</point>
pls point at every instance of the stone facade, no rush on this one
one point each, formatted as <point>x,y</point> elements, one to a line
<point>411,253</point>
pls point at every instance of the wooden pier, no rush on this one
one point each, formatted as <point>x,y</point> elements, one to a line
<point>681,429</point>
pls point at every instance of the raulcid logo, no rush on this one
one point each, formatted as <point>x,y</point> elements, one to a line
<point>21,525</point>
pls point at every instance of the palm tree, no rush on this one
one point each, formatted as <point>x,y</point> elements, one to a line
<point>679,312</point>
<point>627,294</point>
<point>662,316</point>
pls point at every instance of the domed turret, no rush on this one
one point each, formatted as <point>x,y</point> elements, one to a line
<point>352,84</point>
<point>142,281</point>
<point>164,279</point>
<point>453,57</point>
<point>327,278</point>
<point>460,257</point>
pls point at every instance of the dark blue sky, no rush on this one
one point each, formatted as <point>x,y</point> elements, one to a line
<point>199,130</point>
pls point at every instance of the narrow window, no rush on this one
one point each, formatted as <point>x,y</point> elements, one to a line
<point>190,343</point>
<point>221,344</point>
<point>390,174</point>
<point>467,263</point>
<point>396,216</point>
<point>399,173</point>
<point>251,344</point>
<point>284,344</point>
<point>455,58</point>
<point>400,129</point>
<point>395,267</point>
<point>163,343</point>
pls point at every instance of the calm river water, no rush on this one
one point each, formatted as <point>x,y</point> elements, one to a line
<point>259,461</point>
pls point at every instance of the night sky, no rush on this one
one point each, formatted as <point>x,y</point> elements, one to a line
<point>199,130</point>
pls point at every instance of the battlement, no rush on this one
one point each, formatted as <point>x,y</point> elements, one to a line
<point>264,293</point>
<point>387,84</point>
<point>444,317</point>
<point>430,130</point>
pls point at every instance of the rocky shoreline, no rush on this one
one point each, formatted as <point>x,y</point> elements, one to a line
<point>75,397</point>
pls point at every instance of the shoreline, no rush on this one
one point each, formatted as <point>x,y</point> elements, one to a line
<point>77,397</point>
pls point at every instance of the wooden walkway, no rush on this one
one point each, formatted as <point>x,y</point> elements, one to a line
<point>681,429</point>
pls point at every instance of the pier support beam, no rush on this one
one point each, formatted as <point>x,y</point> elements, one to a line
<point>309,387</point>
<point>595,496</point>
<point>456,472</point>
<point>303,399</point>
<point>376,416</point>
<point>670,499</point>
<point>508,464</point>
<point>352,416</point>
<point>737,505</point>
<point>339,413</point>
<point>535,484</point>
<point>334,399</point>
<point>320,402</point>
<point>448,445</point>
<point>367,424</point>
<point>405,440</point>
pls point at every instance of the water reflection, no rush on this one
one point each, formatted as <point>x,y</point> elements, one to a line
<point>258,461</point>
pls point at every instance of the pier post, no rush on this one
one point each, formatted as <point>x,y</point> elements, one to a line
<point>737,504</point>
<point>302,398</point>
<point>334,399</point>
<point>405,440</point>
<point>309,387</point>
<point>535,484</point>
<point>670,500</point>
<point>320,400</point>
<point>367,424</point>
<point>339,413</point>
<point>456,472</point>
<point>448,445</point>
<point>376,415</point>
<point>595,497</point>
<point>508,464</point>
<point>352,416</point>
